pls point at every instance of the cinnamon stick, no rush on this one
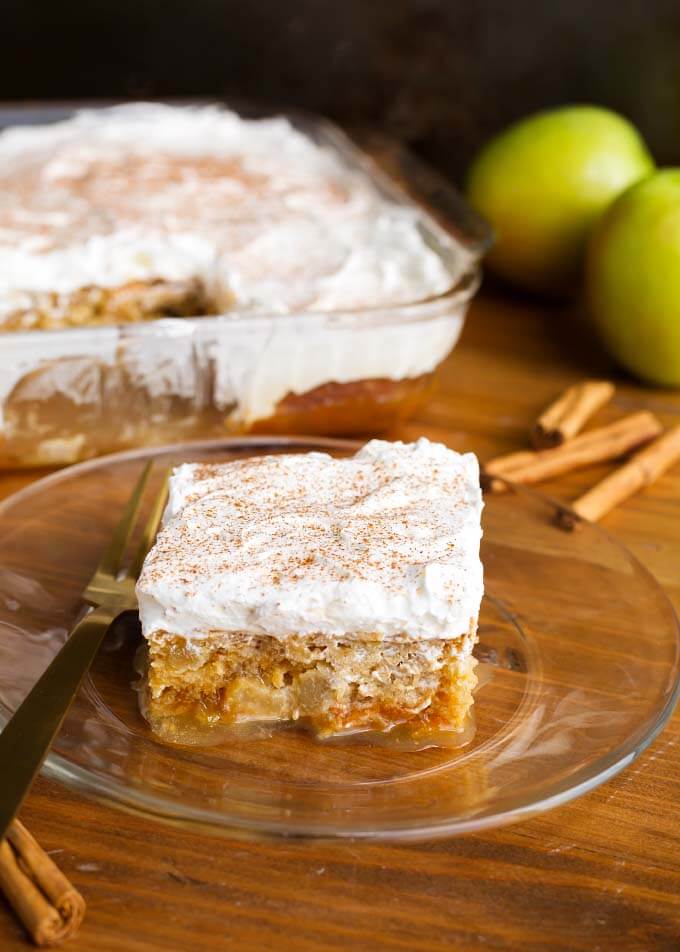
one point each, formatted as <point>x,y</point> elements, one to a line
<point>641,470</point>
<point>595,446</point>
<point>567,416</point>
<point>50,908</point>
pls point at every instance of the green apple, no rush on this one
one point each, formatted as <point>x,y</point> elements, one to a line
<point>544,182</point>
<point>633,278</point>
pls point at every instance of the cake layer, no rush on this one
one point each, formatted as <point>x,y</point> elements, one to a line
<point>385,542</point>
<point>127,304</point>
<point>60,413</point>
<point>332,686</point>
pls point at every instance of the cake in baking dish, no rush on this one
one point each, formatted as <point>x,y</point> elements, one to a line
<point>307,297</point>
<point>146,210</point>
<point>339,593</point>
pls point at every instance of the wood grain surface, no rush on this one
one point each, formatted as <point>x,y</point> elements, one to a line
<point>600,873</point>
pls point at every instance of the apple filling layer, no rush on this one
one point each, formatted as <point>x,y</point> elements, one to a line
<point>330,685</point>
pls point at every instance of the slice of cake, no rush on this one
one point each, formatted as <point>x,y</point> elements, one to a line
<point>342,593</point>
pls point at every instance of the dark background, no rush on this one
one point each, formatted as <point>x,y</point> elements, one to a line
<point>443,74</point>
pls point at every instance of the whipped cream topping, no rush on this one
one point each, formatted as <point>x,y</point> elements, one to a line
<point>268,219</point>
<point>385,544</point>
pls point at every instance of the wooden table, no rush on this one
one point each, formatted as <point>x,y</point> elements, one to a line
<point>600,873</point>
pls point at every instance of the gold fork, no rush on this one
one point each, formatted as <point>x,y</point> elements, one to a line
<point>28,734</point>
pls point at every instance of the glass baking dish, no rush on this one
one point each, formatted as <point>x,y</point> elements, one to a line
<point>74,393</point>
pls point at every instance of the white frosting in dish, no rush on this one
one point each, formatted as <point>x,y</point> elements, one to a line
<point>256,367</point>
<point>243,368</point>
<point>386,543</point>
<point>265,217</point>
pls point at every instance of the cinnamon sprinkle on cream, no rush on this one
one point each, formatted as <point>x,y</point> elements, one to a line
<point>385,542</point>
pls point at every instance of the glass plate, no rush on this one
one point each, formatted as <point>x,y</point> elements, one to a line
<point>580,671</point>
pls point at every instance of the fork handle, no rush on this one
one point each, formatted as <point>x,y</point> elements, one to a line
<point>28,734</point>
